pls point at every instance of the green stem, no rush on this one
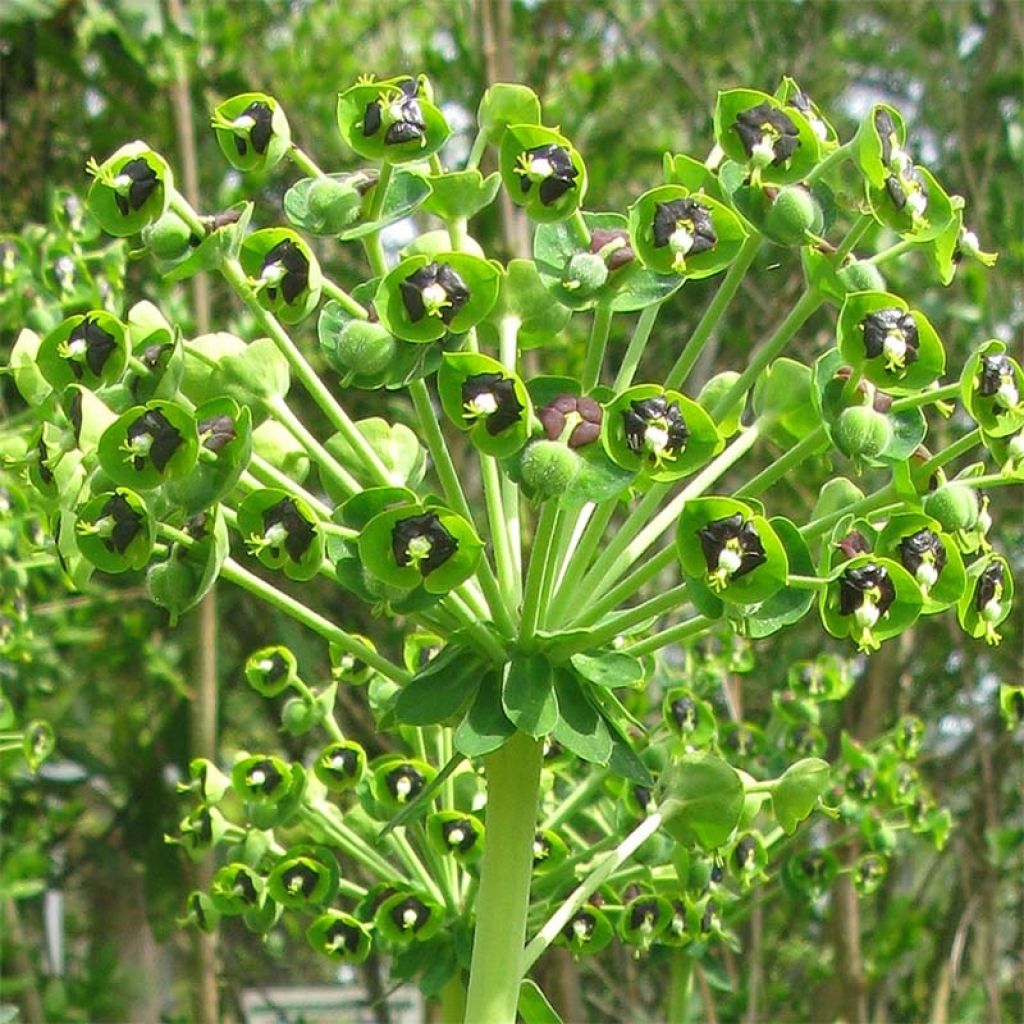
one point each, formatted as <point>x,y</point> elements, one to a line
<point>304,162</point>
<point>691,627</point>
<point>680,987</point>
<point>513,783</point>
<point>776,470</point>
<point>453,1000</point>
<point>838,156</point>
<point>342,297</point>
<point>235,573</point>
<point>637,344</point>
<point>794,320</point>
<point>906,245</point>
<point>817,527</point>
<point>806,582</point>
<point>482,636</point>
<point>959,447</point>
<point>853,236</point>
<point>327,819</point>
<point>508,341</point>
<point>579,797</point>
<point>599,332</point>
<point>553,926</point>
<point>926,397</point>
<point>503,557</point>
<point>456,497</point>
<point>308,377</point>
<point>579,228</point>
<point>629,585</point>
<point>581,559</point>
<point>476,153</point>
<point>726,290</point>
<point>379,192</point>
<point>326,463</point>
<point>540,557</point>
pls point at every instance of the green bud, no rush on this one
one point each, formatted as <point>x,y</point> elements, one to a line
<point>168,237</point>
<point>548,469</point>
<point>955,507</point>
<point>585,273</point>
<point>334,203</point>
<point>861,276</point>
<point>861,432</point>
<point>794,212</point>
<point>299,716</point>
<point>365,348</point>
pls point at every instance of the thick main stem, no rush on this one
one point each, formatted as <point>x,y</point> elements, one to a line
<point>513,781</point>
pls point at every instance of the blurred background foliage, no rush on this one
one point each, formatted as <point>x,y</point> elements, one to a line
<point>627,80</point>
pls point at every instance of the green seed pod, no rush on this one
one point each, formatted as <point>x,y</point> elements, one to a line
<point>585,273</point>
<point>334,203</point>
<point>861,432</point>
<point>299,715</point>
<point>955,507</point>
<point>794,212</point>
<point>548,469</point>
<point>861,276</point>
<point>364,348</point>
<point>168,237</point>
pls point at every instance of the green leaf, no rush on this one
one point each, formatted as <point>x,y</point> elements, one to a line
<point>506,103</point>
<point>260,371</point>
<point>485,727</point>
<point>528,695</point>
<point>609,668</point>
<point>443,689</point>
<point>796,792</point>
<point>461,193</point>
<point>534,1007</point>
<point>703,800</point>
<point>580,728</point>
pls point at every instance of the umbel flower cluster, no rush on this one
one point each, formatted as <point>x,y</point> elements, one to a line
<point>532,638</point>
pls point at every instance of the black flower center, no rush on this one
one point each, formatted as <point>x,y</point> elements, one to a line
<point>260,132</point>
<point>997,379</point>
<point>491,397</point>
<point>655,429</point>
<point>684,225</point>
<point>990,586</point>
<point>923,556</point>
<point>886,134</point>
<point>89,340</point>
<point>217,432</point>
<point>684,713</point>
<point>301,879</point>
<point>766,129</point>
<point>644,913</point>
<point>163,440</point>
<point>460,834</point>
<point>410,914</point>
<point>298,530</point>
<point>732,548</point>
<point>745,853</point>
<point>143,183</point>
<point>285,267</point>
<point>434,290</point>
<point>581,927</point>
<point>866,592</point>
<point>550,167</point>
<point>264,776</point>
<point>342,761</point>
<point>891,333</point>
<point>342,935</point>
<point>127,524</point>
<point>404,782</point>
<point>400,111</point>
<point>423,542</point>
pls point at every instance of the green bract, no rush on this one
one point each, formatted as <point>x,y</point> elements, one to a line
<point>306,878</point>
<point>931,556</point>
<point>130,189</point>
<point>149,445</point>
<point>481,396</point>
<point>184,578</point>
<point>729,551</point>
<point>90,348</point>
<point>404,918</point>
<point>992,386</point>
<point>988,598</point>
<point>415,544</point>
<point>894,346</point>
<point>913,204</point>
<point>282,532</point>
<point>456,834</point>
<point>271,670</point>
<point>674,231</point>
<point>424,298</point>
<point>542,171</point>
<point>393,120</point>
<point>878,144</point>
<point>340,766</point>
<point>252,131</point>
<point>115,531</point>
<point>283,271</point>
<point>662,434</point>
<point>340,937</point>
<point>774,139</point>
<point>870,599</point>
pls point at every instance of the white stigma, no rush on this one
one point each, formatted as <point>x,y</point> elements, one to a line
<point>729,560</point>
<point>763,153</point>
<point>818,127</point>
<point>1015,448</point>
<point>403,787</point>
<point>540,167</point>
<point>338,762</point>
<point>77,348</point>
<point>581,929</point>
<point>434,296</point>
<point>257,777</point>
<point>895,349</point>
<point>1008,393</point>
<point>456,837</point>
<point>483,405</point>
<point>409,918</point>
<point>266,665</point>
<point>969,241</point>
<point>917,202</point>
<point>141,444</point>
<point>867,614</point>
<point>272,273</point>
<point>122,183</point>
<point>681,241</point>
<point>419,548</point>
<point>277,534</point>
<point>242,124</point>
<point>926,576</point>
<point>992,610</point>
<point>656,438</point>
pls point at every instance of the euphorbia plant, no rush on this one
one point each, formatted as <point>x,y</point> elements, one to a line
<point>611,801</point>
